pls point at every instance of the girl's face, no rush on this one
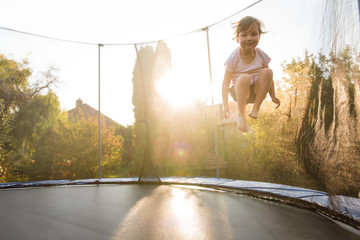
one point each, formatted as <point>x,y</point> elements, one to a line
<point>249,39</point>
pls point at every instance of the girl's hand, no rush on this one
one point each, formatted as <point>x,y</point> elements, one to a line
<point>226,112</point>
<point>276,101</point>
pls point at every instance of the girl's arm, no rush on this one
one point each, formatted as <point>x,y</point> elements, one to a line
<point>225,93</point>
<point>273,95</point>
<point>272,92</point>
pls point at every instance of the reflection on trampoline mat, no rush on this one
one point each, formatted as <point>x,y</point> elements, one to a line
<point>145,211</point>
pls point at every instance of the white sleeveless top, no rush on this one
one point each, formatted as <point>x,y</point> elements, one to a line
<point>236,66</point>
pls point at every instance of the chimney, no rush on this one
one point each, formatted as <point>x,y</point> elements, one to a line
<point>79,102</point>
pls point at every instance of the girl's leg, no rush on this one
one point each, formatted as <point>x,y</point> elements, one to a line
<point>242,91</point>
<point>262,87</point>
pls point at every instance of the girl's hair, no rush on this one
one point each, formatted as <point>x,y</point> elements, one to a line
<point>244,25</point>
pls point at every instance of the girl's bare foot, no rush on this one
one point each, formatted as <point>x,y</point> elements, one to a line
<point>254,113</point>
<point>241,124</point>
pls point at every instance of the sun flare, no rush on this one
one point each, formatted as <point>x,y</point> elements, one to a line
<point>180,91</point>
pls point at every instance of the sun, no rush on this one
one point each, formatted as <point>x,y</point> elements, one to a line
<point>180,90</point>
<point>178,93</point>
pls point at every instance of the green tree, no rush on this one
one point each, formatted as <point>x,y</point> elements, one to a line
<point>42,113</point>
<point>34,118</point>
<point>24,107</point>
<point>13,80</point>
<point>127,134</point>
<point>38,142</point>
<point>75,149</point>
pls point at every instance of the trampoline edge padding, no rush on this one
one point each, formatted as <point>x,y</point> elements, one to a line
<point>343,208</point>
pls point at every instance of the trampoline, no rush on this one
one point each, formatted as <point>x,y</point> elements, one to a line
<point>185,208</point>
<point>167,138</point>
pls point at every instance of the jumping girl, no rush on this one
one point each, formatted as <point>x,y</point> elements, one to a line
<point>247,70</point>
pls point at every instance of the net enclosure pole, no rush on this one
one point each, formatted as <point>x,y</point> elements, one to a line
<point>212,102</point>
<point>99,111</point>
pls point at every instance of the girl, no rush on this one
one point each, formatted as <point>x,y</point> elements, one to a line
<point>247,69</point>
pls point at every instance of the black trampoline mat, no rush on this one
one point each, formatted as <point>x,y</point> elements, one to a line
<point>134,211</point>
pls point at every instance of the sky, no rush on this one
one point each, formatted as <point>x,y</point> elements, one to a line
<point>292,26</point>
<point>96,21</point>
<point>114,21</point>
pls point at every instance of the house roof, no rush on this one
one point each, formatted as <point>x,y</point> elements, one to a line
<point>87,110</point>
